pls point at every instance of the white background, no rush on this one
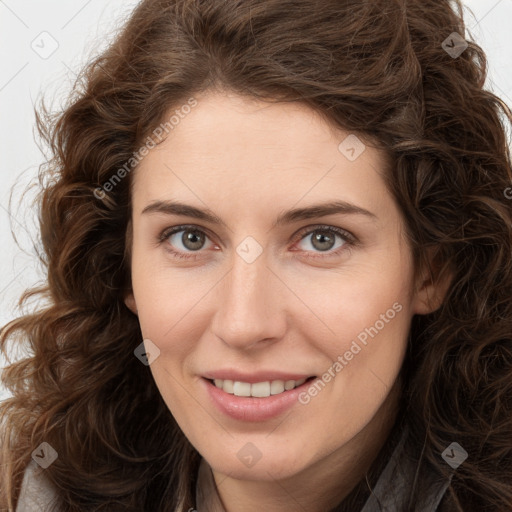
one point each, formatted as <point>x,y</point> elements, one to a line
<point>81,29</point>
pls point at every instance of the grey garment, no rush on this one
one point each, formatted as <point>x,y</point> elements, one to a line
<point>37,494</point>
<point>391,491</point>
<point>394,486</point>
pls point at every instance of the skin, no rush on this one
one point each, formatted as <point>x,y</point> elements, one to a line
<point>248,162</point>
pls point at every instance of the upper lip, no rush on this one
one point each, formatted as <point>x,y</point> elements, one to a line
<point>260,376</point>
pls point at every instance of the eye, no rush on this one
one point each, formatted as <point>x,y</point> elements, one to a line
<point>322,239</point>
<point>319,239</point>
<point>186,238</point>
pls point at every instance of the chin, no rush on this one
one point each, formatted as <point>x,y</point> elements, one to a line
<point>270,467</point>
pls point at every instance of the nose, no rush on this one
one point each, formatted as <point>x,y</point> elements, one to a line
<point>251,305</point>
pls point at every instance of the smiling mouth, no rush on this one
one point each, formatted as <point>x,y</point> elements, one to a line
<point>257,389</point>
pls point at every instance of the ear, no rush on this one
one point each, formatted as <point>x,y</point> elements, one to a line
<point>432,284</point>
<point>130,303</point>
<point>129,298</point>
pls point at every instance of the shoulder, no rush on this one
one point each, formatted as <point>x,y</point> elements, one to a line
<point>37,494</point>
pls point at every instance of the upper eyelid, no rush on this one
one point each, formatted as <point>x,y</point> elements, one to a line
<point>327,227</point>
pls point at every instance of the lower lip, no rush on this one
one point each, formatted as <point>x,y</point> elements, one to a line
<point>253,408</point>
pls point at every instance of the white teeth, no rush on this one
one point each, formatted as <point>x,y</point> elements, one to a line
<point>227,386</point>
<point>276,387</point>
<point>289,384</point>
<point>258,389</point>
<point>241,388</point>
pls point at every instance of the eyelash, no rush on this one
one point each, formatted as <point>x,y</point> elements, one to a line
<point>349,239</point>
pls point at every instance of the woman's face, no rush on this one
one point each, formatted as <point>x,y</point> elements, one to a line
<point>258,287</point>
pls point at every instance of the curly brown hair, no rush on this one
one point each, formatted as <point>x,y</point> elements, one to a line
<point>373,67</point>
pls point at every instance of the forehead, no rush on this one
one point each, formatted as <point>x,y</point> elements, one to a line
<point>232,147</point>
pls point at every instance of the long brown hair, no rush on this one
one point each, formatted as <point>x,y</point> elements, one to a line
<point>378,68</point>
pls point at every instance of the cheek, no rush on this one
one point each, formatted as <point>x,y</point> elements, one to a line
<point>359,304</point>
<point>364,358</point>
<point>366,351</point>
<point>166,298</point>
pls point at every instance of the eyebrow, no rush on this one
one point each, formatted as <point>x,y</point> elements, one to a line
<point>288,217</point>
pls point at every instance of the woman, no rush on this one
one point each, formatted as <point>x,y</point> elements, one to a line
<point>278,240</point>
